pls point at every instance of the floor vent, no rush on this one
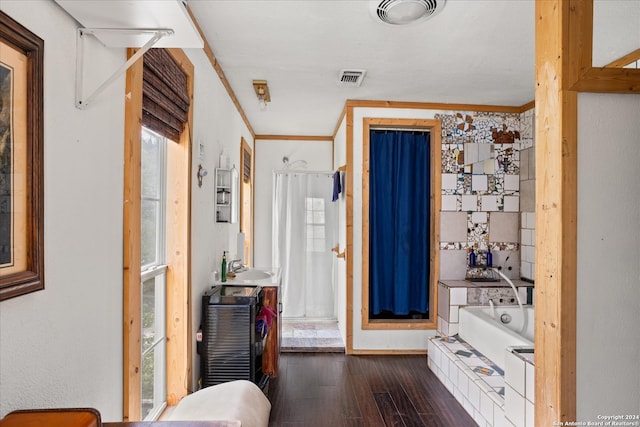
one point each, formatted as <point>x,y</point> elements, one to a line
<point>351,78</point>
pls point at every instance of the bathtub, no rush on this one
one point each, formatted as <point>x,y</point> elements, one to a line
<point>489,335</point>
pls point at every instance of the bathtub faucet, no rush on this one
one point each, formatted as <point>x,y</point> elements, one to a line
<point>515,291</point>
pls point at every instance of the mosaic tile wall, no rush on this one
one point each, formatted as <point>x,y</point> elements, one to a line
<point>481,178</point>
<point>527,195</point>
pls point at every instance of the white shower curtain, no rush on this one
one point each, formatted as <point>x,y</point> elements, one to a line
<point>304,231</point>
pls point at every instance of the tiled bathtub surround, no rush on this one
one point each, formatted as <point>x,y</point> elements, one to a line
<point>519,387</point>
<point>491,395</point>
<point>487,200</point>
<point>472,379</point>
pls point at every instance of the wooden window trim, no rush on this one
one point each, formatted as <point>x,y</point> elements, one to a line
<point>179,321</point>
<point>434,128</point>
<point>179,354</point>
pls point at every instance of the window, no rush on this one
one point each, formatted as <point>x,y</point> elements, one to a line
<point>316,240</point>
<point>153,274</point>
<point>158,269</point>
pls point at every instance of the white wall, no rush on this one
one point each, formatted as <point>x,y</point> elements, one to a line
<point>63,346</point>
<point>218,126</point>
<point>608,344</point>
<point>268,155</point>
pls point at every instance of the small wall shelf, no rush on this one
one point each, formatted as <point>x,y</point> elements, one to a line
<point>226,195</point>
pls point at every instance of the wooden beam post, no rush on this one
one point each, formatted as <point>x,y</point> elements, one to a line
<point>131,242</point>
<point>561,58</point>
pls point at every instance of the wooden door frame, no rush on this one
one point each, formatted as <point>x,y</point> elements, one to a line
<point>435,170</point>
<point>348,116</point>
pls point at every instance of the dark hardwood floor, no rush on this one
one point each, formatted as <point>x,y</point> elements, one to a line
<point>332,389</point>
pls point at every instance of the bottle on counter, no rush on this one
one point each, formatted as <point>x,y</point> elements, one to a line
<point>223,267</point>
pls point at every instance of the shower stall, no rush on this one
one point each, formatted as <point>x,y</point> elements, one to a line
<point>304,231</point>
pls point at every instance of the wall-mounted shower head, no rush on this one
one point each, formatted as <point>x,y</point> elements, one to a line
<point>291,165</point>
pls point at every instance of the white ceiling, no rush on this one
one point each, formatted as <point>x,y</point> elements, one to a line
<point>478,52</point>
<point>473,52</point>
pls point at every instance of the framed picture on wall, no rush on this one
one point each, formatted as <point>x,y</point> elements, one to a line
<point>21,160</point>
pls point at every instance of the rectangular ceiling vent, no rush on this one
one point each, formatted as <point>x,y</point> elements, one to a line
<point>351,78</point>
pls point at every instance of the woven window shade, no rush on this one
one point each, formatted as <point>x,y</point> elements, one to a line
<point>165,98</point>
<point>246,173</point>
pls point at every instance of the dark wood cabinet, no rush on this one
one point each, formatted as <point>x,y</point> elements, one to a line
<point>271,353</point>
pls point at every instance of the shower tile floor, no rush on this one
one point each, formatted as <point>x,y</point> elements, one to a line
<point>313,336</point>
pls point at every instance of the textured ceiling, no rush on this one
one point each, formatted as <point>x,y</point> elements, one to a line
<point>473,52</point>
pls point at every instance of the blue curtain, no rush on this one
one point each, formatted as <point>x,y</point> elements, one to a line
<point>399,212</point>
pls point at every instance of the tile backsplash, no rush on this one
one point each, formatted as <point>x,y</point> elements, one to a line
<point>484,189</point>
<point>527,245</point>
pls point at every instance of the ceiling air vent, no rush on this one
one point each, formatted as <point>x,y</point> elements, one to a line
<point>351,78</point>
<point>403,12</point>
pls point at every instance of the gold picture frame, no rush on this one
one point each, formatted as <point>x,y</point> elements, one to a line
<point>21,160</point>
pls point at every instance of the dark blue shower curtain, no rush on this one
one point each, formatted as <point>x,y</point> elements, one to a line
<point>399,212</point>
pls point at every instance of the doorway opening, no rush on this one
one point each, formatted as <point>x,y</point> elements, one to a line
<point>304,232</point>
<point>401,159</point>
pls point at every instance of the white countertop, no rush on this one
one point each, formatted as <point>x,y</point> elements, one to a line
<point>251,277</point>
